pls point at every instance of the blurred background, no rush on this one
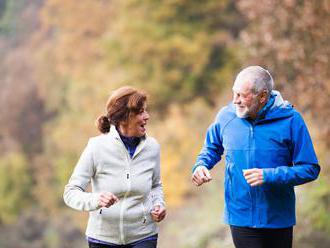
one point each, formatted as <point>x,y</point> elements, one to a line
<point>60,59</point>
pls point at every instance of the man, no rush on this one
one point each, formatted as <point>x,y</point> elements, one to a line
<point>268,152</point>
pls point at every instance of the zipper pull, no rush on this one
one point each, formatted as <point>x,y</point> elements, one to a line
<point>127,175</point>
<point>101,211</point>
<point>144,220</point>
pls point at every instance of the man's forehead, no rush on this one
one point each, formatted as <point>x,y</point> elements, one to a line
<point>242,86</point>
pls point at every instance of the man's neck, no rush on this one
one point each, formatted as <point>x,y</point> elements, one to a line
<point>254,115</point>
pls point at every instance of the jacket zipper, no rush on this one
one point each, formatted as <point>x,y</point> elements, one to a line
<point>230,190</point>
<point>129,161</point>
<point>252,190</point>
<point>122,208</point>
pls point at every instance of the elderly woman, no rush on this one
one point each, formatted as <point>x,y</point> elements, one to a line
<point>123,167</point>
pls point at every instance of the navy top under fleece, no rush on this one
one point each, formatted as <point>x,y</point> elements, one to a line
<point>130,143</point>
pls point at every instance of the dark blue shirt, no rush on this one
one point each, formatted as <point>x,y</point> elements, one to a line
<point>130,143</point>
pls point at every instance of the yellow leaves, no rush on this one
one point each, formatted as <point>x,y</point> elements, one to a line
<point>74,30</point>
<point>128,41</point>
<point>180,135</point>
<point>171,50</point>
<point>14,185</point>
<point>73,17</point>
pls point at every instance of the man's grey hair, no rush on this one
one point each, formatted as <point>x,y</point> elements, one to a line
<point>258,76</point>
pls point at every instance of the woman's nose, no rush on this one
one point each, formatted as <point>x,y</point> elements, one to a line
<point>146,116</point>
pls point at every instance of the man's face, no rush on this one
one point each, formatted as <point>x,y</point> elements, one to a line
<point>246,102</point>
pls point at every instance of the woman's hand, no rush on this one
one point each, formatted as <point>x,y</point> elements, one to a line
<point>158,213</point>
<point>107,199</point>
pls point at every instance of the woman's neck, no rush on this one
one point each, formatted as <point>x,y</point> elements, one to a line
<point>123,131</point>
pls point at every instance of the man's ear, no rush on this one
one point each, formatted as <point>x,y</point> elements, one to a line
<point>263,97</point>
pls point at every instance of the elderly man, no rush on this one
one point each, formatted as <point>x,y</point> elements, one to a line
<point>268,151</point>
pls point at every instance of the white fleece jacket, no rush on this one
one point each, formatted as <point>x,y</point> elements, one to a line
<point>106,163</point>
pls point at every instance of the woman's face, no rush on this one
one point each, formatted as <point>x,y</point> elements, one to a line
<point>136,125</point>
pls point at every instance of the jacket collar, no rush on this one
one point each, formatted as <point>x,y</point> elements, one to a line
<point>113,133</point>
<point>276,107</point>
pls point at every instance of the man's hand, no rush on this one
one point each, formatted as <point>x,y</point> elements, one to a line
<point>158,213</point>
<point>107,199</point>
<point>254,176</point>
<point>201,175</point>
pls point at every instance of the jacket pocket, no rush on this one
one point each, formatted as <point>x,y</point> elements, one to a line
<point>228,179</point>
<point>109,218</point>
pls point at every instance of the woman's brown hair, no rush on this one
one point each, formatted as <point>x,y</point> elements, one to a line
<point>121,104</point>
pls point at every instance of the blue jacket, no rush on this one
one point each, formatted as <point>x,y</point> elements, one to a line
<point>278,142</point>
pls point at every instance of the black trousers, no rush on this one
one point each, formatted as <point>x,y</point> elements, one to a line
<point>143,244</point>
<point>246,237</point>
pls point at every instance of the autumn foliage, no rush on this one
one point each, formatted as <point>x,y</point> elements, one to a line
<point>60,59</point>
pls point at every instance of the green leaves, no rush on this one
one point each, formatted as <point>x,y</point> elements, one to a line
<point>15,184</point>
<point>174,49</point>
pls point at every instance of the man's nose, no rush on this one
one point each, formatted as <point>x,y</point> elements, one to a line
<point>236,99</point>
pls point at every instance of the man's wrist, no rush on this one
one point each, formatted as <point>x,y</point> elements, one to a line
<point>198,164</point>
<point>268,175</point>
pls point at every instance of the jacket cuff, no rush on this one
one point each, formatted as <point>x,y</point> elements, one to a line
<point>95,201</point>
<point>200,163</point>
<point>268,175</point>
<point>161,204</point>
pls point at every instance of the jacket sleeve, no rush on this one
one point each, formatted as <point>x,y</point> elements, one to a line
<point>212,150</point>
<point>305,164</point>
<point>75,195</point>
<point>157,188</point>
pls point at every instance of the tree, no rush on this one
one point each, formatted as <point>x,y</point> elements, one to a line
<point>176,49</point>
<point>14,186</point>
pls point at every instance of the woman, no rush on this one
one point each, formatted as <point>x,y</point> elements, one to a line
<point>123,167</point>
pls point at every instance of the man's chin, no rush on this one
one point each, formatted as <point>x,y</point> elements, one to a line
<point>241,115</point>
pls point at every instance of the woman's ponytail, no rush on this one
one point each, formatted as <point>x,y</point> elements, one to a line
<point>103,124</point>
